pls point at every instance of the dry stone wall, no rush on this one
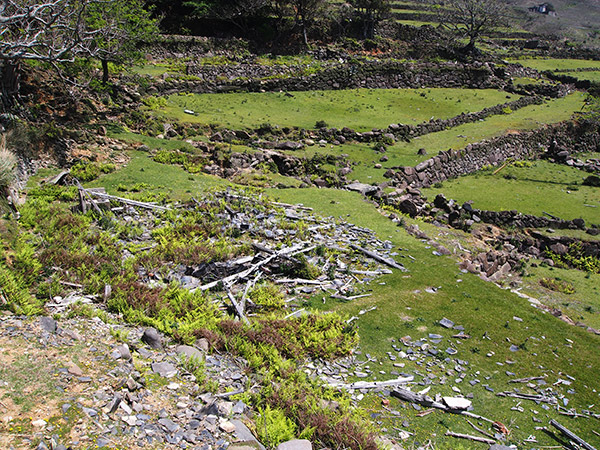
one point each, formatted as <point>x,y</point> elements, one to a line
<point>346,75</point>
<point>577,136</point>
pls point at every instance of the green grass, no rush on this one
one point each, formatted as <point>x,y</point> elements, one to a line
<point>404,308</point>
<point>548,187</point>
<point>583,305</point>
<point>360,109</point>
<point>590,76</point>
<point>160,178</point>
<point>150,69</point>
<point>405,153</point>
<point>556,64</point>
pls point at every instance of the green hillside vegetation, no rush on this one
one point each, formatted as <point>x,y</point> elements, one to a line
<point>360,109</point>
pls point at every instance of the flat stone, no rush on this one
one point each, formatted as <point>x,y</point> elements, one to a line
<point>295,444</point>
<point>129,420</point>
<point>227,426</point>
<point>74,369</point>
<point>40,423</point>
<point>170,426</point>
<point>123,352</point>
<point>245,435</point>
<point>446,323</point>
<point>164,369</point>
<point>48,324</point>
<point>189,352</point>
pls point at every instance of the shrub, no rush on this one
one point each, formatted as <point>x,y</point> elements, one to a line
<point>268,297</point>
<point>85,171</point>
<point>321,124</point>
<point>558,285</point>
<point>273,427</point>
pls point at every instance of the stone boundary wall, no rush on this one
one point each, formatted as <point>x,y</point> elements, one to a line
<point>591,86</point>
<point>372,75</point>
<point>578,136</point>
<point>402,131</point>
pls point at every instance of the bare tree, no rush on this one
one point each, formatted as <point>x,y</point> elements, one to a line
<point>51,31</point>
<point>471,18</point>
<point>58,31</point>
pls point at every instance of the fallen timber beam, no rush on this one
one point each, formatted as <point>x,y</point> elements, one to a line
<point>572,436</point>
<point>469,437</point>
<point>372,385</point>
<point>244,273</point>
<point>238,309</point>
<point>538,398</point>
<point>127,201</point>
<point>525,380</point>
<point>387,261</point>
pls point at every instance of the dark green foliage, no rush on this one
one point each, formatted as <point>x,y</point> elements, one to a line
<point>558,285</point>
<point>87,171</point>
<point>576,258</point>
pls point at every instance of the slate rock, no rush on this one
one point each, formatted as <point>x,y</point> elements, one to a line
<point>152,338</point>
<point>244,434</point>
<point>295,444</point>
<point>190,352</point>
<point>456,402</point>
<point>48,324</point>
<point>169,425</point>
<point>446,323</point>
<point>164,369</point>
<point>500,447</point>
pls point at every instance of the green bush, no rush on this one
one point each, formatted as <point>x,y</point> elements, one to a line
<point>273,427</point>
<point>267,296</point>
<point>14,293</point>
<point>558,285</point>
<point>85,171</point>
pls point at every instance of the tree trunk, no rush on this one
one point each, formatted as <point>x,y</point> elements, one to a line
<point>9,83</point>
<point>304,33</point>
<point>104,71</point>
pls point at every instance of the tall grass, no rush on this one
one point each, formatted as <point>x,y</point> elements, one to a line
<point>8,165</point>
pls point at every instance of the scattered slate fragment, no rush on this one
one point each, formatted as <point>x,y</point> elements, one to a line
<point>446,323</point>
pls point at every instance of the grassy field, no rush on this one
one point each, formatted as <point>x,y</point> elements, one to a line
<point>404,307</point>
<point>360,109</point>
<point>405,153</point>
<point>556,64</point>
<point>157,178</point>
<point>590,76</point>
<point>544,186</point>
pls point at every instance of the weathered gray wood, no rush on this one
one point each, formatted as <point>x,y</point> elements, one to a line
<point>475,427</point>
<point>353,297</point>
<point>469,437</point>
<point>533,397</point>
<point>525,380</point>
<point>245,273</point>
<point>389,262</point>
<point>571,435</point>
<point>237,308</point>
<point>373,384</point>
<point>127,201</point>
